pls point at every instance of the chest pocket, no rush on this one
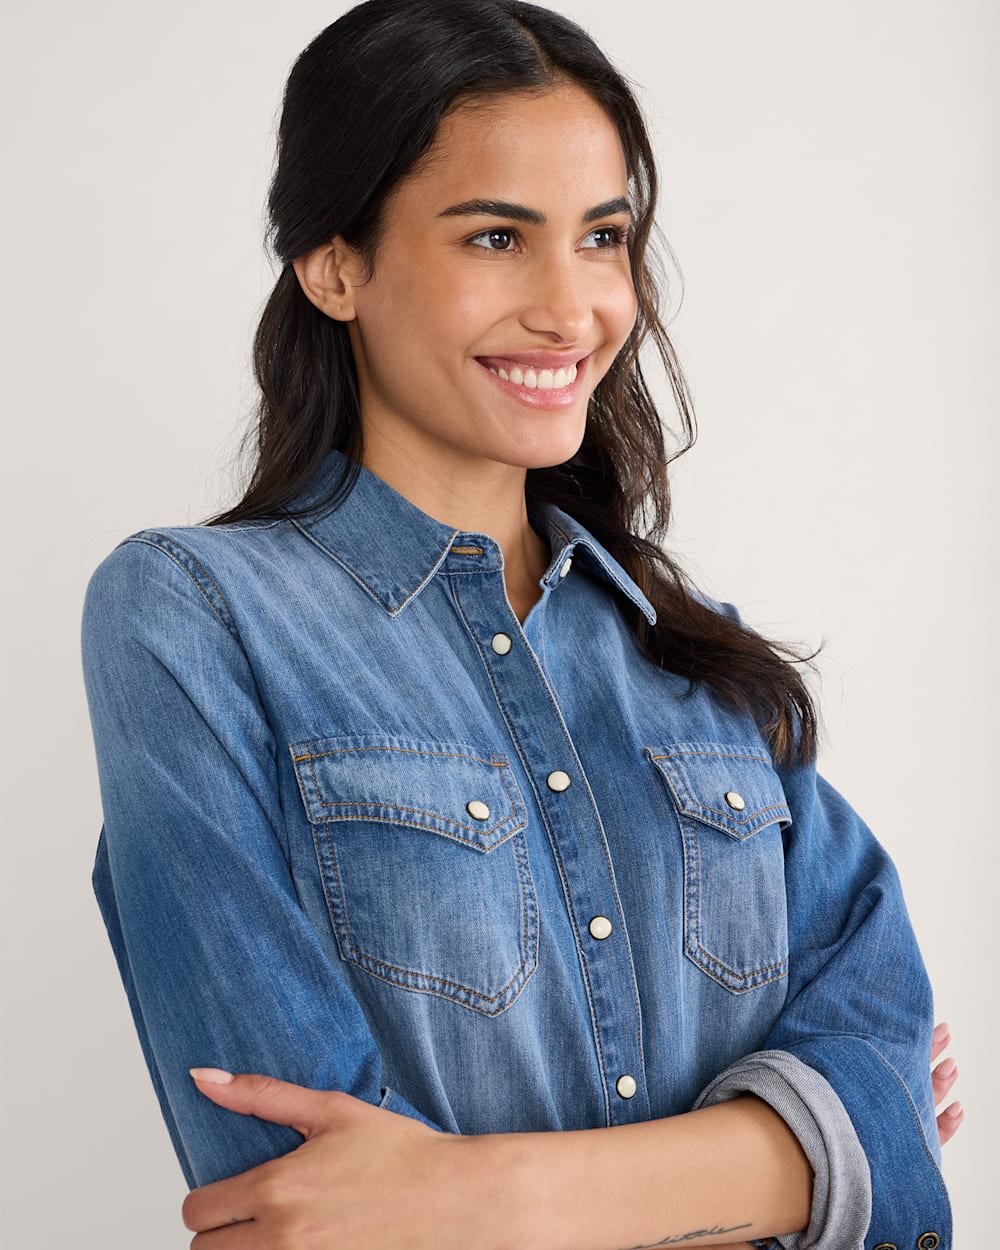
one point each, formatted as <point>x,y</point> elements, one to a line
<point>731,810</point>
<point>425,868</point>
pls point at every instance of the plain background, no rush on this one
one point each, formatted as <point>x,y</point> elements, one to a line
<point>829,187</point>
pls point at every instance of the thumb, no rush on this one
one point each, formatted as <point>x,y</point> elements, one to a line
<point>308,1111</point>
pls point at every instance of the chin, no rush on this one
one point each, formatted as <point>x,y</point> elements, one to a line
<point>555,447</point>
<point>552,452</point>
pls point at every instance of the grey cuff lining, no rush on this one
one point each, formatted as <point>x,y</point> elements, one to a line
<point>805,1100</point>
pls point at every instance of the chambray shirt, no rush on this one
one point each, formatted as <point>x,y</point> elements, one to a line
<point>363,830</point>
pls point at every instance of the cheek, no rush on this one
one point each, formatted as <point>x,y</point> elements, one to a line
<point>622,307</point>
<point>473,303</point>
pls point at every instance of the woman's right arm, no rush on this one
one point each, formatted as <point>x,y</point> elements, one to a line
<point>220,963</point>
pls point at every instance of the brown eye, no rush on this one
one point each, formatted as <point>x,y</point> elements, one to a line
<point>606,237</point>
<point>494,240</point>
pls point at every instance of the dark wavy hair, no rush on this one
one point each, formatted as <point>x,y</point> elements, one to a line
<point>361,107</point>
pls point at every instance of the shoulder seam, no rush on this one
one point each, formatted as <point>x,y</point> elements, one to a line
<point>195,570</point>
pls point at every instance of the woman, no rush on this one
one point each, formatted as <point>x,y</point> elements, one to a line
<point>429,785</point>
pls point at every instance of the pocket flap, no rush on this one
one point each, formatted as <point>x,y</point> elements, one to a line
<point>728,787</point>
<point>452,789</point>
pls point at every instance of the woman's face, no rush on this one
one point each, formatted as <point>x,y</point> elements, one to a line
<point>501,290</point>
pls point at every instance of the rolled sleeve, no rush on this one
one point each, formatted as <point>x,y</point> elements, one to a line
<point>858,1016</point>
<point>842,1198</point>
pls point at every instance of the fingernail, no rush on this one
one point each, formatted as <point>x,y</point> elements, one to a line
<point>212,1076</point>
<point>946,1068</point>
<point>955,1111</point>
<point>940,1031</point>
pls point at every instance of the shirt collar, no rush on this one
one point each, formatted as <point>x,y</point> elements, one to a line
<point>393,549</point>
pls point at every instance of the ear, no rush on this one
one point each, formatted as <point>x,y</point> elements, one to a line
<point>328,275</point>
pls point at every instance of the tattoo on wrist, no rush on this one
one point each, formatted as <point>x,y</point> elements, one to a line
<point>675,1239</point>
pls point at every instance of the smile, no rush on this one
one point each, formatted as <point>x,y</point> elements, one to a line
<point>542,379</point>
<point>541,383</point>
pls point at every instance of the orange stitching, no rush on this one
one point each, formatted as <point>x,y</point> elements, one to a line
<point>340,890</point>
<point>429,976</point>
<point>718,755</point>
<point>496,761</point>
<point>428,989</point>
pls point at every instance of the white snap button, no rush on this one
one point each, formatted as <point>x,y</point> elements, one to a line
<point>566,566</point>
<point>557,781</point>
<point>600,928</point>
<point>735,801</point>
<point>477,810</point>
<point>625,1085</point>
<point>501,643</point>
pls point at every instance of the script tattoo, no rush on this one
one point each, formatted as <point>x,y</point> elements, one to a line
<point>675,1239</point>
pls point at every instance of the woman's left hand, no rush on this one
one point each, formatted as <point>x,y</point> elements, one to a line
<point>364,1177</point>
<point>942,1079</point>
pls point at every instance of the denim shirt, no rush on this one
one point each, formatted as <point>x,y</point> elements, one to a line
<point>363,830</point>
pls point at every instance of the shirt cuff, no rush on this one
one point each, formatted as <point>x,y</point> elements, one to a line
<point>805,1100</point>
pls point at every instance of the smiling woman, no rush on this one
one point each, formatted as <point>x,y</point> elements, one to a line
<point>517,327</point>
<point>487,854</point>
<point>552,295</point>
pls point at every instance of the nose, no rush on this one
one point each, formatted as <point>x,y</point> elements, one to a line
<point>558,300</point>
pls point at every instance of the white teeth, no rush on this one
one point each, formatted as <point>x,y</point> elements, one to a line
<point>542,379</point>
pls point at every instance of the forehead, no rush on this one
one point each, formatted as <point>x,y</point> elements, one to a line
<point>541,149</point>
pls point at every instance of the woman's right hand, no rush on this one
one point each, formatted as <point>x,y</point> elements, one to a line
<point>942,1079</point>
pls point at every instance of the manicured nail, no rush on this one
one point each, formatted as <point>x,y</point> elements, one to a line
<point>946,1069</point>
<point>940,1031</point>
<point>212,1076</point>
<point>955,1111</point>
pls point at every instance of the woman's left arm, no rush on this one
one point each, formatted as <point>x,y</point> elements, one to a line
<point>369,1180</point>
<point>379,1163</point>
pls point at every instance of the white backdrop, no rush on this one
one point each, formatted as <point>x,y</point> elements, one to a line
<point>829,186</point>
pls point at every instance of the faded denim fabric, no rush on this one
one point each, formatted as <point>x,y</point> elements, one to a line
<point>359,822</point>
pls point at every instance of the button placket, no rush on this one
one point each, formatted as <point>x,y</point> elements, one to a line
<point>569,829</point>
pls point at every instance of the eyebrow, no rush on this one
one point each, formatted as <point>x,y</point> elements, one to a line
<point>518,212</point>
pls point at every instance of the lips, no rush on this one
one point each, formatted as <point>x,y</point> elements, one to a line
<point>534,359</point>
<point>530,378</point>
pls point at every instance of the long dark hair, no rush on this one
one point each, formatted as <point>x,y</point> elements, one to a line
<point>362,105</point>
